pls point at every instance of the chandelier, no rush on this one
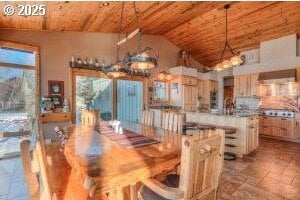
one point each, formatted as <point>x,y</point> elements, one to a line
<point>118,69</point>
<point>164,76</point>
<point>143,59</point>
<point>236,59</point>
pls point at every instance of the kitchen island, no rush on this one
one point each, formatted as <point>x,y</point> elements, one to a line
<point>244,141</point>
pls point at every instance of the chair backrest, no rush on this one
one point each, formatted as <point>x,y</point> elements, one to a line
<point>147,117</point>
<point>30,177</point>
<point>201,164</point>
<point>89,117</point>
<point>172,121</point>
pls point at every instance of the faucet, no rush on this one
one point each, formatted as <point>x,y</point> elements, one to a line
<point>228,105</point>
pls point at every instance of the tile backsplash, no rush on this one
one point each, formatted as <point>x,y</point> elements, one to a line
<point>267,102</point>
<point>279,102</point>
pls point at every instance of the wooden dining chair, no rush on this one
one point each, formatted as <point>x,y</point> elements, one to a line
<point>31,178</point>
<point>147,117</point>
<point>165,120</point>
<point>201,167</point>
<point>170,121</point>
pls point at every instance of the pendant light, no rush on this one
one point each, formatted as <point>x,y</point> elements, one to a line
<point>164,76</point>
<point>236,59</point>
<point>117,69</point>
<point>143,59</point>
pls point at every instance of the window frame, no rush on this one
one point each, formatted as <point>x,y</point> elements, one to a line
<point>166,99</point>
<point>36,68</point>
<point>73,72</point>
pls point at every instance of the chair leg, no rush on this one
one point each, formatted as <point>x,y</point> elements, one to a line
<point>133,192</point>
<point>139,194</point>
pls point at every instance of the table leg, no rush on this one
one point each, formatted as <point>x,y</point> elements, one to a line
<point>133,192</point>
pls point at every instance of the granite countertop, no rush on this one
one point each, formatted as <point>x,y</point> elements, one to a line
<point>229,115</point>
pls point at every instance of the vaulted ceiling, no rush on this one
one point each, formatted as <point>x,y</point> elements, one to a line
<point>197,27</point>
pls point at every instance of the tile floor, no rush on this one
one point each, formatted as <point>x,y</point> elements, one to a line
<point>272,172</point>
<point>12,183</point>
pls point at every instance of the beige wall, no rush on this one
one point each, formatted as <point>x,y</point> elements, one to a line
<point>58,47</point>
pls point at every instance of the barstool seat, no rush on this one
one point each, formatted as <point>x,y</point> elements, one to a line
<point>228,129</point>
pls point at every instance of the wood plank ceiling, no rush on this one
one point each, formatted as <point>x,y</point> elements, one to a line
<point>197,27</point>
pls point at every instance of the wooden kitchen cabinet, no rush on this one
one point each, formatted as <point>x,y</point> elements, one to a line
<point>246,85</point>
<point>254,85</point>
<point>297,126</point>
<point>277,127</point>
<point>205,88</point>
<point>242,85</point>
<point>190,94</point>
<point>252,134</point>
<point>189,81</point>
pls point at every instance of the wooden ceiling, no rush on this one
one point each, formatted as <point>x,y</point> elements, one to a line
<point>197,27</point>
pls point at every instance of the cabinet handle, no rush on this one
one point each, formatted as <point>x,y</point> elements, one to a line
<point>283,119</point>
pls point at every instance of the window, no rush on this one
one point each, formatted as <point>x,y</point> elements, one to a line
<point>16,56</point>
<point>18,94</point>
<point>160,90</point>
<point>94,93</point>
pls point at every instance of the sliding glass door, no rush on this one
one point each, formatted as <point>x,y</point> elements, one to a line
<point>94,93</point>
<point>129,100</point>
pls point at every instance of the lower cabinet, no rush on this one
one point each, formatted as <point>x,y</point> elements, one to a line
<point>277,127</point>
<point>297,126</point>
<point>252,134</point>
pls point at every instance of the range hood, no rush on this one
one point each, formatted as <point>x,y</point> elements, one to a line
<point>277,77</point>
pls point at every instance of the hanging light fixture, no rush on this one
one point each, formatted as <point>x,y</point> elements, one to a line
<point>118,69</point>
<point>236,59</point>
<point>143,59</point>
<point>164,76</point>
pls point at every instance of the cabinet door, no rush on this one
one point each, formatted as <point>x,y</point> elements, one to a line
<point>194,95</point>
<point>261,125</point>
<point>187,94</point>
<point>206,91</point>
<point>297,128</point>
<point>200,89</point>
<point>236,87</point>
<point>267,130</point>
<point>288,127</point>
<point>245,82</point>
<point>254,85</point>
<point>242,85</point>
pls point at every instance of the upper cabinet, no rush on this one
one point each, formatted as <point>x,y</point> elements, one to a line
<point>184,93</point>
<point>246,85</point>
<point>207,90</point>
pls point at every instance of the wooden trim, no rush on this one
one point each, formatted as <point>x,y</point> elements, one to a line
<point>14,45</point>
<point>55,117</point>
<point>18,66</point>
<point>36,49</point>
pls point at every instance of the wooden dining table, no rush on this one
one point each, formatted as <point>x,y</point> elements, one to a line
<point>104,166</point>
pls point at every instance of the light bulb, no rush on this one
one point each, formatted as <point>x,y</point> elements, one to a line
<point>168,77</point>
<point>236,60</point>
<point>226,64</point>
<point>161,76</point>
<point>219,66</point>
<point>142,65</point>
